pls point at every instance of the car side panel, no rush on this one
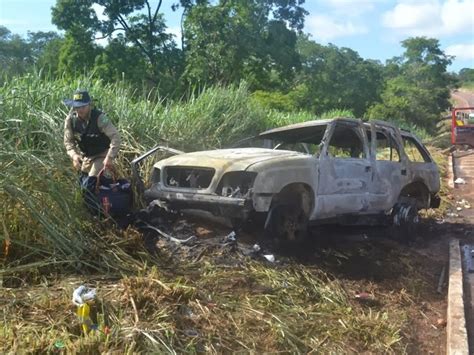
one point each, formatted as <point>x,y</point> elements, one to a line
<point>275,176</point>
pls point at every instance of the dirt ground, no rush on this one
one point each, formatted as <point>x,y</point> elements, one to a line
<point>396,274</point>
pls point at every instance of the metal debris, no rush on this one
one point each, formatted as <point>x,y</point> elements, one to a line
<point>230,238</point>
<point>269,257</point>
<point>167,236</point>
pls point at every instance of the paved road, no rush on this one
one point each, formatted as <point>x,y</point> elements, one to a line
<point>464,168</point>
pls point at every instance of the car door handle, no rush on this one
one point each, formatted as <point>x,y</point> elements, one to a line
<point>367,169</point>
<point>404,171</point>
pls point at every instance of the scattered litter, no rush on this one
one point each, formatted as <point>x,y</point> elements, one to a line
<point>440,221</point>
<point>230,238</point>
<point>366,298</point>
<point>270,257</point>
<point>203,232</point>
<point>169,237</point>
<point>363,296</point>
<point>256,248</point>
<point>59,344</point>
<point>440,322</point>
<point>463,203</point>
<point>82,297</point>
<point>458,208</point>
<point>460,181</point>
<point>451,214</point>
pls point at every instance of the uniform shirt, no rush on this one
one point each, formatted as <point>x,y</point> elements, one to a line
<point>104,125</point>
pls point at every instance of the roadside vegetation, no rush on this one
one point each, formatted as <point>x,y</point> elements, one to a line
<point>214,90</point>
<point>50,244</point>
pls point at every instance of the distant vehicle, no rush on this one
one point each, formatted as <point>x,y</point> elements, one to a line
<point>462,126</point>
<point>326,171</point>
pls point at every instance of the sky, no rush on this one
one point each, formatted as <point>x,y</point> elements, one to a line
<point>373,28</point>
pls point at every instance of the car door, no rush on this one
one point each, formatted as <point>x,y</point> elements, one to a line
<point>390,166</point>
<point>345,171</point>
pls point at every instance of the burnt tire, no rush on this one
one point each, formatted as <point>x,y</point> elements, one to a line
<point>286,224</point>
<point>405,222</point>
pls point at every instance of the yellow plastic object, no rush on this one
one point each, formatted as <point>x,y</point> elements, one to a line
<point>83,312</point>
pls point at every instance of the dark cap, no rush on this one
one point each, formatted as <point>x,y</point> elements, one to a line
<point>80,98</point>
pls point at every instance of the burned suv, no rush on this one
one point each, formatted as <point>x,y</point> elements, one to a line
<point>341,170</point>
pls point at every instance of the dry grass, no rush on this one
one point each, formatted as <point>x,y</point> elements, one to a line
<point>155,304</point>
<point>253,308</point>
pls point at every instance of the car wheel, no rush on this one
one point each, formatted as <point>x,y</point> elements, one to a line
<point>286,224</point>
<point>406,221</point>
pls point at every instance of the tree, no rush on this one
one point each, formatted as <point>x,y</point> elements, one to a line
<point>77,53</point>
<point>245,39</point>
<point>142,27</point>
<point>45,48</point>
<point>15,53</point>
<point>466,75</point>
<point>420,92</point>
<point>335,78</point>
<point>118,61</point>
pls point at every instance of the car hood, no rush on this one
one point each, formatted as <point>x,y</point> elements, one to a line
<point>226,159</point>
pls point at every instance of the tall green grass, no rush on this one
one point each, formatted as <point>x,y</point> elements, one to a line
<point>41,207</point>
<point>44,228</point>
<point>42,213</point>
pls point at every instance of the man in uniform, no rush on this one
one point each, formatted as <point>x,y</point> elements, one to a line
<point>91,140</point>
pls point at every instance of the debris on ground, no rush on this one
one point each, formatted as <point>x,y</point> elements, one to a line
<point>83,297</point>
<point>463,204</point>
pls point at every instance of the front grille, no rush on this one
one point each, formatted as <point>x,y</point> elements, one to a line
<point>188,177</point>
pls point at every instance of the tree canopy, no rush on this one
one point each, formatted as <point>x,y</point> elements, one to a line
<point>419,91</point>
<point>260,42</point>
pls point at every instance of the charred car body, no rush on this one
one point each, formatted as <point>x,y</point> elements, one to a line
<point>341,170</point>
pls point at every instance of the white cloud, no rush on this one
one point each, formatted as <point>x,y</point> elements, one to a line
<point>458,16</point>
<point>461,51</point>
<point>352,7</point>
<point>431,17</point>
<point>326,28</point>
<point>175,31</point>
<point>99,11</point>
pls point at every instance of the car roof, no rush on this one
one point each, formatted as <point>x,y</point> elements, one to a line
<point>311,131</point>
<point>313,123</point>
<point>304,131</point>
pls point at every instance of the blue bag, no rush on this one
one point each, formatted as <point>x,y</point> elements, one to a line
<point>114,195</point>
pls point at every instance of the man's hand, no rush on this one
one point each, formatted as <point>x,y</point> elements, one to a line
<point>77,162</point>
<point>108,163</point>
